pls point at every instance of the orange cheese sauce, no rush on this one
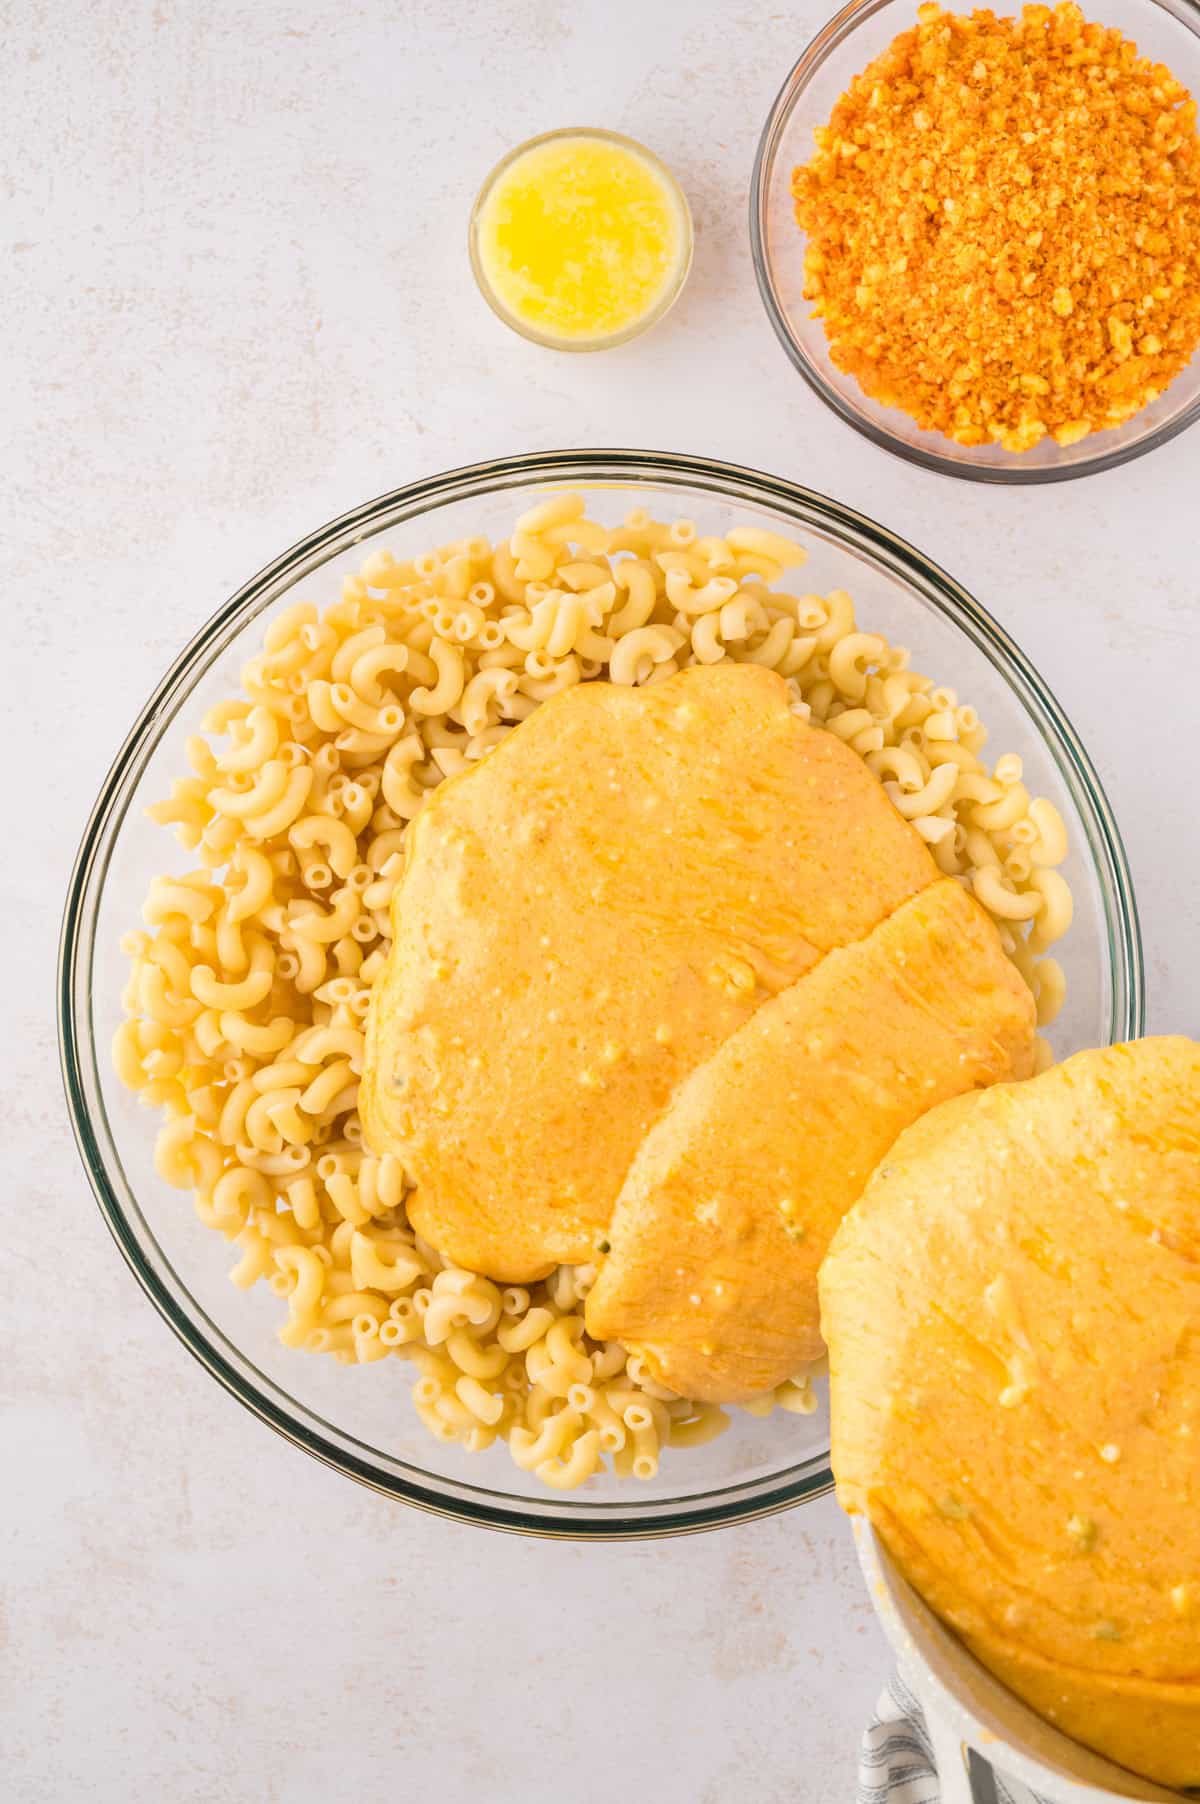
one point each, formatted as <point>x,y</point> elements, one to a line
<point>730,1204</point>
<point>585,917</point>
<point>1013,1317</point>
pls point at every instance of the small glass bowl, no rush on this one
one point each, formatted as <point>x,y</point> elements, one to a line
<point>360,1419</point>
<point>670,293</point>
<point>1167,30</point>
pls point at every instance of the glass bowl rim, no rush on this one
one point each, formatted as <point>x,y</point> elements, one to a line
<point>670,293</point>
<point>831,36</point>
<point>586,1520</point>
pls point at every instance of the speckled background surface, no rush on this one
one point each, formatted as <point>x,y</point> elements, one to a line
<point>236,302</point>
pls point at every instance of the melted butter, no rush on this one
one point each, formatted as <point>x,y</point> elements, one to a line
<point>581,238</point>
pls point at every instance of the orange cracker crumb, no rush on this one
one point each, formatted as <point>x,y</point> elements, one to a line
<point>1003,222</point>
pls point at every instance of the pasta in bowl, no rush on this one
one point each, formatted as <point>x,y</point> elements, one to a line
<point>388,668</point>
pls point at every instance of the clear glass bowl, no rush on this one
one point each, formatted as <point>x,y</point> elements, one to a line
<point>1168,30</point>
<point>672,288</point>
<point>359,1419</point>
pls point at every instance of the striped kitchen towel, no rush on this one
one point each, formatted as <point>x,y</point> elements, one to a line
<point>896,1763</point>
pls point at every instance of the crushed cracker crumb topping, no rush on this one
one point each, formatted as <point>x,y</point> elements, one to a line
<point>1003,221</point>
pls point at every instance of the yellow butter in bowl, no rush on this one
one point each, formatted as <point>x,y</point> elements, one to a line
<point>580,239</point>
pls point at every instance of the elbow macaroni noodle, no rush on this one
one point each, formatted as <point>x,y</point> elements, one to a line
<point>251,979</point>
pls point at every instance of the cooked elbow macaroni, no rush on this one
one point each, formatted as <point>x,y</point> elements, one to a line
<point>252,978</point>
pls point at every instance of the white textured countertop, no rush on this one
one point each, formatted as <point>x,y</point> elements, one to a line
<point>236,303</point>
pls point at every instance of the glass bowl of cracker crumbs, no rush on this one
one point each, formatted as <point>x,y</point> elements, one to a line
<point>977,235</point>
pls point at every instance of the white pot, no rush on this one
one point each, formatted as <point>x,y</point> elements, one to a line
<point>966,1707</point>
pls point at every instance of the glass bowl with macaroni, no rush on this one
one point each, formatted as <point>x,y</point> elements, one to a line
<point>228,915</point>
<point>1167,31</point>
